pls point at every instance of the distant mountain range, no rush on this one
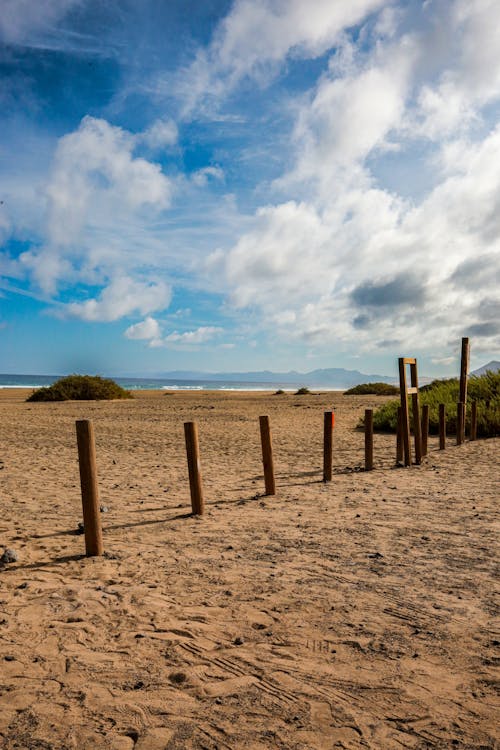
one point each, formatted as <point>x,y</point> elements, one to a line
<point>494,366</point>
<point>333,377</point>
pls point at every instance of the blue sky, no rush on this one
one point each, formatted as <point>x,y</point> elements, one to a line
<point>246,185</point>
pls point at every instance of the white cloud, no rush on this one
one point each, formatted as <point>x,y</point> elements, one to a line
<point>469,77</point>
<point>202,176</point>
<point>191,338</point>
<point>371,267</point>
<point>121,297</point>
<point>149,328</point>
<point>349,117</point>
<point>21,20</point>
<point>257,36</point>
<point>161,134</point>
<point>99,196</point>
<point>94,172</point>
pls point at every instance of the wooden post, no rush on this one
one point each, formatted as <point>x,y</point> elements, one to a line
<point>368,439</point>
<point>417,432</point>
<point>442,427</point>
<point>327,446</point>
<point>194,468</point>
<point>267,455</point>
<point>460,422</point>
<point>464,371</point>
<point>425,428</point>
<point>399,437</point>
<point>405,418</point>
<point>473,421</point>
<point>90,491</point>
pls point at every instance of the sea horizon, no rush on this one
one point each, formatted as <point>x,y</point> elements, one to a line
<point>20,380</point>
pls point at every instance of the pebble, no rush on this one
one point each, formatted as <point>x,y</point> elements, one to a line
<point>9,556</point>
<point>238,641</point>
<point>104,509</point>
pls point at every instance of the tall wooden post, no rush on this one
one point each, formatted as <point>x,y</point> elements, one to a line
<point>267,455</point>
<point>399,437</point>
<point>194,468</point>
<point>368,439</point>
<point>464,371</point>
<point>90,491</point>
<point>460,422</point>
<point>405,417</point>
<point>405,391</point>
<point>425,428</point>
<point>473,421</point>
<point>442,427</point>
<point>415,404</point>
<point>327,446</point>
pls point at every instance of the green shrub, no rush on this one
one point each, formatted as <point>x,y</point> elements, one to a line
<point>80,388</point>
<point>485,390</point>
<point>302,391</point>
<point>279,392</point>
<point>372,389</point>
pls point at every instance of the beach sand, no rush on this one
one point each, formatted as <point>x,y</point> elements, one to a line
<point>354,614</point>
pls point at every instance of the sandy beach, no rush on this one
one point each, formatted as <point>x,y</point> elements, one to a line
<point>355,614</point>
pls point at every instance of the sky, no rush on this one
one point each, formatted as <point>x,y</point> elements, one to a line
<point>221,185</point>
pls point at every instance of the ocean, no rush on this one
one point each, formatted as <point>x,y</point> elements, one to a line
<point>135,384</point>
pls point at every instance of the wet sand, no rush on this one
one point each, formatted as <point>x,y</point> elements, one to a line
<point>355,614</point>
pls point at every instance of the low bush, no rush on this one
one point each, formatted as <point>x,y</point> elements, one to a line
<point>279,392</point>
<point>485,390</point>
<point>80,388</point>
<point>372,389</point>
<point>304,391</point>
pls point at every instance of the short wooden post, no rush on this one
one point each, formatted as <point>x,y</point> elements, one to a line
<point>399,437</point>
<point>368,439</point>
<point>194,468</point>
<point>460,421</point>
<point>327,446</point>
<point>442,427</point>
<point>90,491</point>
<point>425,428</point>
<point>267,455</point>
<point>473,421</point>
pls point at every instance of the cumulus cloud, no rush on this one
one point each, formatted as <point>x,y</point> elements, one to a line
<point>373,267</point>
<point>94,170</point>
<point>149,328</point>
<point>352,260</point>
<point>97,189</point>
<point>121,297</point>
